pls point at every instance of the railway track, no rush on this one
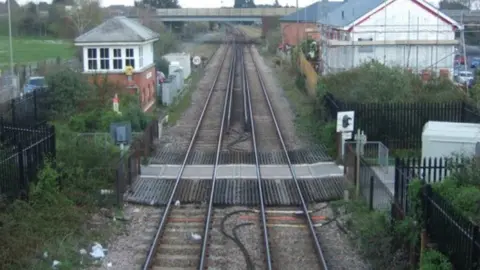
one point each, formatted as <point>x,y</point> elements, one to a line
<point>261,129</point>
<point>208,132</point>
<point>195,236</point>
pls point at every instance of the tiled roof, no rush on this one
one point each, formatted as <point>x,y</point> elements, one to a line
<point>118,29</point>
<point>350,11</point>
<point>312,13</point>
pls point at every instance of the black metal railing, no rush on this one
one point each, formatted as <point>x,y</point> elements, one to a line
<point>399,125</point>
<point>22,153</point>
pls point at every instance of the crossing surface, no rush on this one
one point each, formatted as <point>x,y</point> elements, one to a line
<point>242,171</point>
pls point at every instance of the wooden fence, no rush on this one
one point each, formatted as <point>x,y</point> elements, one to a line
<point>311,76</point>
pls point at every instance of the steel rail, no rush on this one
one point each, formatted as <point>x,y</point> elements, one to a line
<point>311,226</point>
<point>230,93</point>
<point>152,250</point>
<point>263,214</point>
<point>208,216</point>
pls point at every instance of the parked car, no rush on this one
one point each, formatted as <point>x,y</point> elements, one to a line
<point>459,60</point>
<point>475,62</point>
<point>465,77</point>
<point>34,83</point>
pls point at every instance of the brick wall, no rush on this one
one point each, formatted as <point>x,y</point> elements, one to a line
<point>145,81</point>
<point>290,30</point>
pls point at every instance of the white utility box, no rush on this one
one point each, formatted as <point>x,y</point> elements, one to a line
<point>447,139</point>
<point>183,60</point>
<point>444,139</point>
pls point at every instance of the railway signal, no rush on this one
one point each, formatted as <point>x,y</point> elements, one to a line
<point>345,124</point>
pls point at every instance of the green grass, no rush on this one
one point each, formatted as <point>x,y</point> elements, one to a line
<point>182,103</point>
<point>33,49</point>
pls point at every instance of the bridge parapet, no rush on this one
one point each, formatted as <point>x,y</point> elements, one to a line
<point>224,12</point>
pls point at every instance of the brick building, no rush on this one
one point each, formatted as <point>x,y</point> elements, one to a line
<point>116,44</point>
<point>307,22</point>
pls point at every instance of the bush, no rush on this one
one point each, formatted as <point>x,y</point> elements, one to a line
<point>461,189</point>
<point>162,65</point>
<point>373,234</point>
<point>435,260</point>
<point>273,39</point>
<point>68,91</point>
<point>376,83</point>
<point>99,120</point>
<point>28,227</point>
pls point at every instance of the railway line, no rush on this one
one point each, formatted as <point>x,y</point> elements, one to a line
<point>208,132</point>
<point>267,126</point>
<point>198,236</point>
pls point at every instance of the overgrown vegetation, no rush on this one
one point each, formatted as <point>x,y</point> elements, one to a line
<point>434,260</point>
<point>376,83</point>
<point>379,240</point>
<point>461,189</point>
<point>66,211</point>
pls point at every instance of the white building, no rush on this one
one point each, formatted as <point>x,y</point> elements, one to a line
<point>115,44</point>
<point>408,33</point>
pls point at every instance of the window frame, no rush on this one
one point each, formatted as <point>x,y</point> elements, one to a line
<point>140,57</point>
<point>130,59</point>
<point>117,59</point>
<point>365,49</point>
<point>104,59</point>
<point>92,59</point>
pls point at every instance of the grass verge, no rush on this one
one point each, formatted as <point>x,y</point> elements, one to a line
<point>34,49</point>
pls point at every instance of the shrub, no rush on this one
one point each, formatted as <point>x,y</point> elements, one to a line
<point>373,233</point>
<point>162,65</point>
<point>435,260</point>
<point>376,83</point>
<point>68,91</point>
<point>273,39</point>
<point>28,226</point>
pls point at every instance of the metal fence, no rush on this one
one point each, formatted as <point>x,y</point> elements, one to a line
<point>455,235</point>
<point>22,153</point>
<point>9,87</point>
<point>27,110</point>
<point>40,68</point>
<point>375,153</point>
<point>374,189</point>
<point>128,167</point>
<point>400,125</point>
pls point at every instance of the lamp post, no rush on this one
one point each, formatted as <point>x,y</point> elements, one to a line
<point>10,37</point>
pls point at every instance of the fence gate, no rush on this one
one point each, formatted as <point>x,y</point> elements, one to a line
<point>376,153</point>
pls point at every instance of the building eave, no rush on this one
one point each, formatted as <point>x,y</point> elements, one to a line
<point>114,43</point>
<point>420,3</point>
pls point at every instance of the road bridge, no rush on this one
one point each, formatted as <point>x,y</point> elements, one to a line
<point>464,16</point>
<point>256,14</point>
<point>220,14</point>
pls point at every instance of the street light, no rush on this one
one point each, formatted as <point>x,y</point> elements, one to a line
<point>10,37</point>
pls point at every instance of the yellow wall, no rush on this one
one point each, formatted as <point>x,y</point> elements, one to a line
<point>310,75</point>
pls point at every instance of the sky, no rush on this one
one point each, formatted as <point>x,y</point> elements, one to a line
<point>207,3</point>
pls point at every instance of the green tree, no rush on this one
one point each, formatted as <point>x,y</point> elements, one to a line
<point>85,15</point>
<point>160,3</point>
<point>70,91</point>
<point>244,4</point>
